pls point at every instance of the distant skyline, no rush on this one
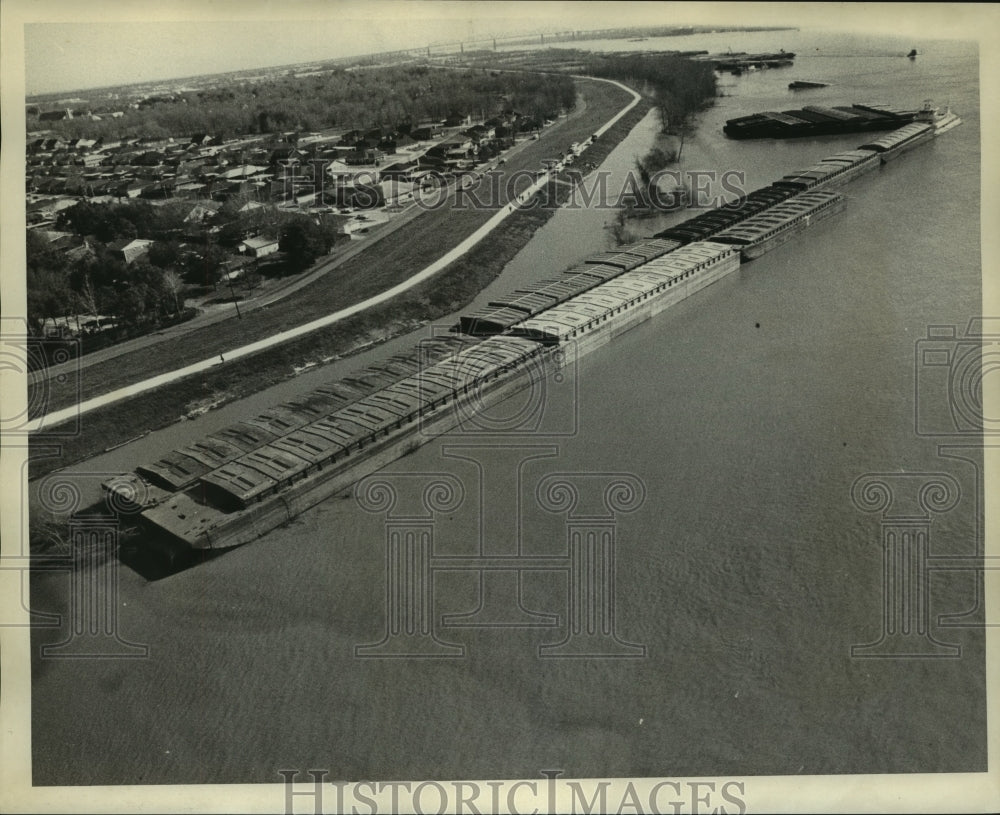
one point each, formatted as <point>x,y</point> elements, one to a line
<point>133,42</point>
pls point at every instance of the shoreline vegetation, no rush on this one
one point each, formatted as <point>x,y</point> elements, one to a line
<point>339,98</point>
<point>682,89</point>
<point>446,293</point>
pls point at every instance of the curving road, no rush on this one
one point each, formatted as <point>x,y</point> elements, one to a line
<point>65,414</point>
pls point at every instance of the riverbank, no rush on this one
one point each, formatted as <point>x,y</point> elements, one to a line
<point>447,292</point>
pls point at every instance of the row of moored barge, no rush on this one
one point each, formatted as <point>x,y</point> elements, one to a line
<point>238,483</point>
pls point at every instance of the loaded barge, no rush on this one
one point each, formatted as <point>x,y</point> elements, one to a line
<point>817,120</point>
<point>242,481</point>
<point>832,171</point>
<point>930,122</point>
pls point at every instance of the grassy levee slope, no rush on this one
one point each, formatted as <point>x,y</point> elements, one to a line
<point>373,271</point>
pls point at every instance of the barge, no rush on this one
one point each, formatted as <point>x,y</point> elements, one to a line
<point>817,120</point>
<point>832,171</point>
<point>739,61</point>
<point>764,232</point>
<point>611,309</point>
<point>899,141</point>
<point>930,122</point>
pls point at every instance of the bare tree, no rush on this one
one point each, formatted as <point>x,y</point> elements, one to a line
<point>172,283</point>
<point>251,280</point>
<point>87,297</point>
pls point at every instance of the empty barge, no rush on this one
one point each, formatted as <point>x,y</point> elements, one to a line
<point>763,232</point>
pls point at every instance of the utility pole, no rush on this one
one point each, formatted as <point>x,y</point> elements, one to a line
<point>232,291</point>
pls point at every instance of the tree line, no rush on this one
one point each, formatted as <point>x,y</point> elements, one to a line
<point>360,98</point>
<point>680,86</point>
<point>100,284</point>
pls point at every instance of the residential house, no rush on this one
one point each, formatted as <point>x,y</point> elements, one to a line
<point>371,155</point>
<point>130,249</point>
<point>349,139</point>
<point>202,211</point>
<point>132,189</point>
<point>259,247</point>
<point>159,189</point>
<point>481,133</point>
<point>451,152</point>
<point>243,171</point>
<point>426,131</point>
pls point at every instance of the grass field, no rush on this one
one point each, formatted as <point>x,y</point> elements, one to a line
<point>395,258</point>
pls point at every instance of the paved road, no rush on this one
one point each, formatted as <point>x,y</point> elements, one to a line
<point>54,418</point>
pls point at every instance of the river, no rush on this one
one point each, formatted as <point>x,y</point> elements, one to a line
<point>746,413</point>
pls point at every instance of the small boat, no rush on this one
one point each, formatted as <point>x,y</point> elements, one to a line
<point>801,84</point>
<point>912,54</point>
